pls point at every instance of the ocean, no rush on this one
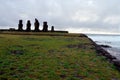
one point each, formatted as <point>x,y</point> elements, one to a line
<point>111,40</point>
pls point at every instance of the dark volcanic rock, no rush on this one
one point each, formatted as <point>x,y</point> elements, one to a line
<point>109,57</point>
<point>116,62</point>
<point>105,46</point>
<point>103,52</point>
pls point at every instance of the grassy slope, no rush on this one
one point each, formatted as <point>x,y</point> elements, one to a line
<point>52,58</point>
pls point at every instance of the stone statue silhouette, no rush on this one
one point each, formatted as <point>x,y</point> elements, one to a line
<point>45,27</point>
<point>20,25</point>
<point>36,24</point>
<point>52,29</point>
<point>28,25</point>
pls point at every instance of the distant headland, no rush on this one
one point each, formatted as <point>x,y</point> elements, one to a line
<point>36,27</point>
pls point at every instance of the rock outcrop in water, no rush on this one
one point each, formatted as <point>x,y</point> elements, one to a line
<point>105,46</point>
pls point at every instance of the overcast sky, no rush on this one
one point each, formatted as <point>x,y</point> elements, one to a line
<point>101,16</point>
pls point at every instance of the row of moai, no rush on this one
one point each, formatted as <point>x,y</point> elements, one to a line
<point>36,26</point>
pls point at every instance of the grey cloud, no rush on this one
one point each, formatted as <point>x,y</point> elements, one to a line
<point>77,14</point>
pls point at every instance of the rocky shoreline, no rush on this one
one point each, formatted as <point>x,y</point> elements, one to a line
<point>102,52</point>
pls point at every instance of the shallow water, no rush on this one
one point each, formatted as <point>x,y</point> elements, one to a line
<point>111,40</point>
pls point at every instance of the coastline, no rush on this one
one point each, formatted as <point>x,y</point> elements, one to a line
<point>103,52</point>
<point>113,51</point>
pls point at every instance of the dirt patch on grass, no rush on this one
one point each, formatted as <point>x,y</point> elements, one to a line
<point>34,39</point>
<point>51,51</point>
<point>34,46</point>
<point>16,49</point>
<point>2,37</point>
<point>80,77</point>
<point>15,46</point>
<point>56,51</point>
<point>63,76</point>
<point>81,46</point>
<point>2,72</point>
<point>17,52</point>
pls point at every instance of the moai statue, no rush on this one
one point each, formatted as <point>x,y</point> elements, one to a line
<point>20,25</point>
<point>36,24</point>
<point>45,27</point>
<point>28,25</point>
<point>52,29</point>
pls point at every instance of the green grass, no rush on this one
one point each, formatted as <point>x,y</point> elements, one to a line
<point>52,58</point>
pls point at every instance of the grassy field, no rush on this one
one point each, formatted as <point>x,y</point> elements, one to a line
<point>33,57</point>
